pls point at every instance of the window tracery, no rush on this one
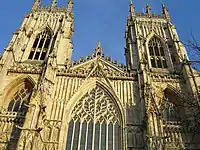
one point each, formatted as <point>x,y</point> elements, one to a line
<point>20,100</point>
<point>40,46</point>
<point>157,54</point>
<point>171,111</point>
<point>95,123</point>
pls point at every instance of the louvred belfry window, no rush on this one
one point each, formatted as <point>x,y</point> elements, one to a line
<point>95,123</point>
<point>40,46</point>
<point>157,54</point>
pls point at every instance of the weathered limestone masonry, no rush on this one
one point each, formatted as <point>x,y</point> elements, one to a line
<point>49,102</point>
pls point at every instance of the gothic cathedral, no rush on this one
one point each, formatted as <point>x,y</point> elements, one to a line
<point>49,102</point>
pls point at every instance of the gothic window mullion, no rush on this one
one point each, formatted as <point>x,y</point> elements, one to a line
<point>94,122</point>
<point>40,46</point>
<point>90,135</point>
<point>113,131</point>
<point>36,49</point>
<point>116,137</point>
<point>13,106</point>
<point>154,56</point>
<point>80,135</point>
<point>110,137</point>
<point>103,136</point>
<point>17,103</point>
<point>100,131</point>
<point>76,135</point>
<point>21,101</point>
<point>161,54</point>
<point>73,135</point>
<point>42,49</point>
<point>86,138</point>
<point>83,136</point>
<point>156,52</point>
<point>97,133</point>
<point>107,135</point>
<point>69,135</point>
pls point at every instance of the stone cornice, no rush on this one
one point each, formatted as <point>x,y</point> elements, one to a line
<point>144,15</point>
<point>165,77</point>
<point>25,68</point>
<point>84,74</point>
<point>49,9</point>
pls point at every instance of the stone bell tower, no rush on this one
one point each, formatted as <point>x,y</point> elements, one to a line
<point>154,50</point>
<point>28,69</point>
<point>45,37</point>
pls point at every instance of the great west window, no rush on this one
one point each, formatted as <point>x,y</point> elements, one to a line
<point>95,123</point>
<point>157,54</point>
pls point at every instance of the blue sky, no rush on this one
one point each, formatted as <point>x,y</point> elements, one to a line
<point>103,20</point>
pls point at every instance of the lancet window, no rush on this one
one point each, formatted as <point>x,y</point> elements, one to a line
<point>157,54</point>
<point>20,100</point>
<point>40,46</point>
<point>95,123</point>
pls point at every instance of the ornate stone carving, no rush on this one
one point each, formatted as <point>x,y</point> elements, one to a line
<point>96,105</point>
<point>99,68</point>
<point>165,77</point>
<point>25,68</point>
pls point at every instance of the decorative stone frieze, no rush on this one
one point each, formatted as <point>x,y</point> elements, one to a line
<point>25,68</point>
<point>165,77</point>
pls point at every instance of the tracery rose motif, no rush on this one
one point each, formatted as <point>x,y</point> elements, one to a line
<point>96,105</point>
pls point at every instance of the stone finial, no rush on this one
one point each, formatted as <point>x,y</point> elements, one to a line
<point>99,44</point>
<point>166,12</point>
<point>36,4</point>
<point>148,10</point>
<point>132,8</point>
<point>54,3</point>
<point>99,50</point>
<point>70,5</point>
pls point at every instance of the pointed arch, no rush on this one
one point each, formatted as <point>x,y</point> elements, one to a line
<point>17,81</point>
<point>23,84</point>
<point>153,34</point>
<point>90,84</point>
<point>16,98</point>
<point>172,104</point>
<point>42,43</point>
<point>44,27</point>
<point>98,106</point>
<point>172,89</point>
<point>156,51</point>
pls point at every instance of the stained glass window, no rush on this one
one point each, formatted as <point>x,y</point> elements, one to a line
<point>95,123</point>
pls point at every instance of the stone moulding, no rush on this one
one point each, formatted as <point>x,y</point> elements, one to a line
<point>84,74</point>
<point>156,77</point>
<point>25,68</point>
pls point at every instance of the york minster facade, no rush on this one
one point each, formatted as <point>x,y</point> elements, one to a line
<point>49,102</point>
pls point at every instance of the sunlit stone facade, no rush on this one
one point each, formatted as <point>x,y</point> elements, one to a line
<point>49,102</point>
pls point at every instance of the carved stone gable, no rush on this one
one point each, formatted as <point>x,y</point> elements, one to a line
<point>98,67</point>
